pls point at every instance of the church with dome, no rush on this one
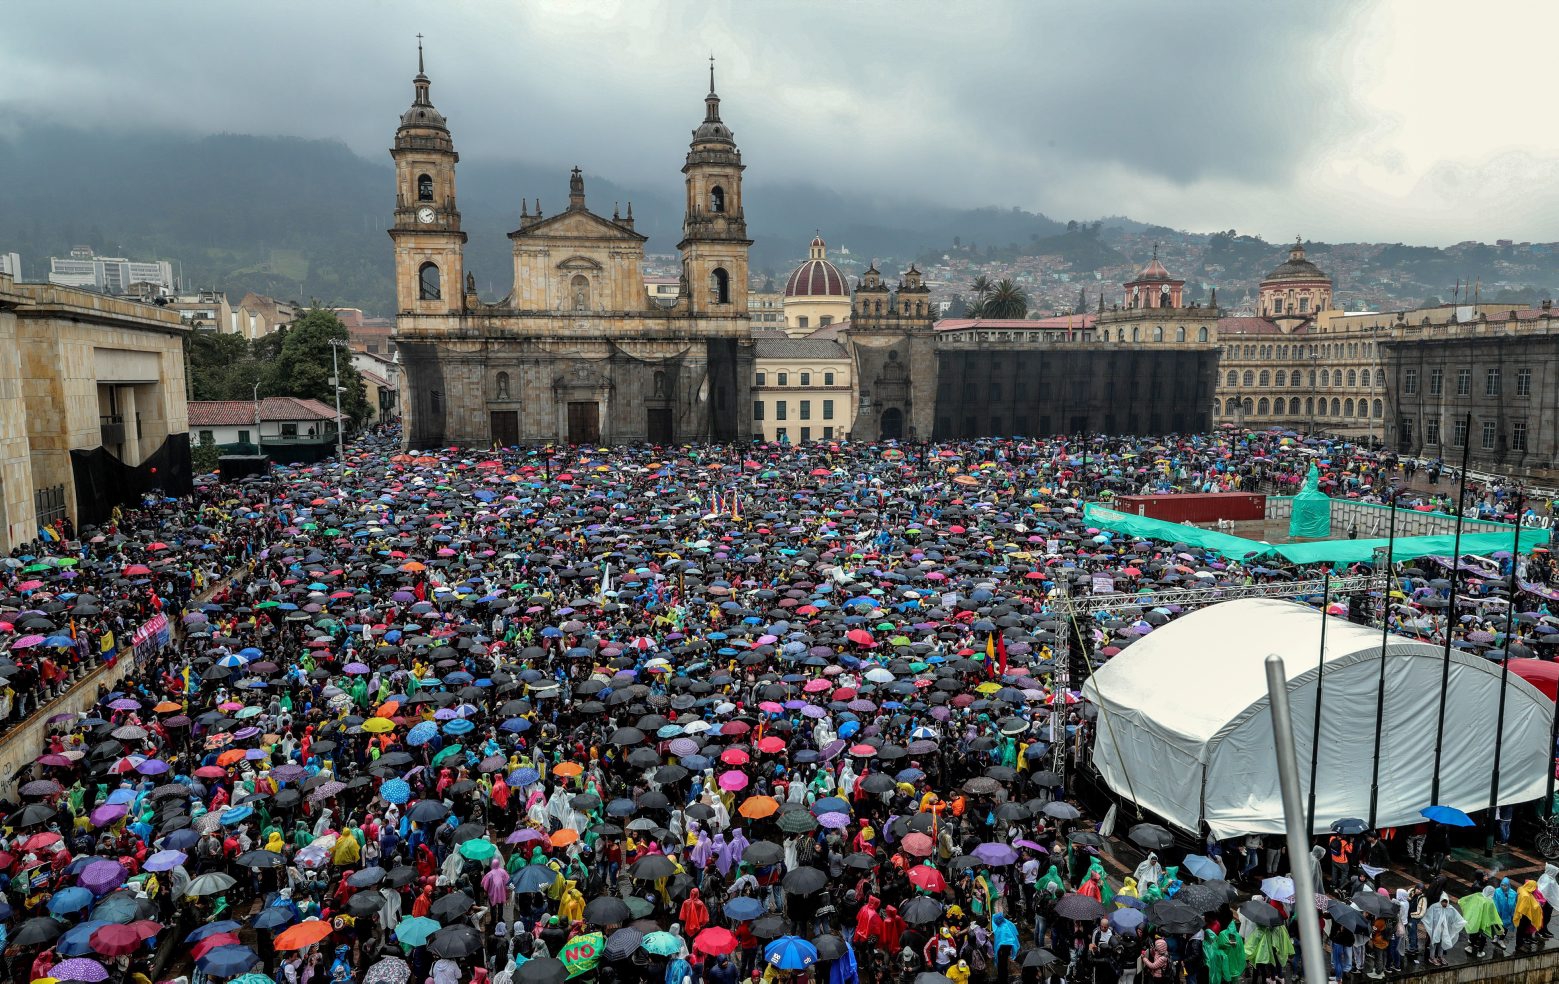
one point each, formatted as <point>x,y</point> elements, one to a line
<point>816,293</point>
<point>576,352</point>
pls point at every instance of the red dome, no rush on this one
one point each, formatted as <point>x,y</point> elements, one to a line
<point>816,278</point>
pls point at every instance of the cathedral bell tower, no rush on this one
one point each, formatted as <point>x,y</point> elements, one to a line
<point>714,229</point>
<point>429,261</point>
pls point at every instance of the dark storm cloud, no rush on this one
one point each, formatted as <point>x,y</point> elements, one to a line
<point>989,102</point>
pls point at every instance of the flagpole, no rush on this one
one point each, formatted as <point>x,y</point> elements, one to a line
<point>1504,675</point>
<point>1450,612</point>
<point>1385,635</point>
<point>1320,675</point>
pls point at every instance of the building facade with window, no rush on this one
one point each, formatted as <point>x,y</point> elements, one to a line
<point>803,390</point>
<point>1490,384</point>
<point>578,351</point>
<point>92,405</point>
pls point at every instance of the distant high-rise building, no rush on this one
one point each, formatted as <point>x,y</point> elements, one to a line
<point>108,274</point>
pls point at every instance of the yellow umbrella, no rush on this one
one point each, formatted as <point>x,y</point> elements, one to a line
<point>378,725</point>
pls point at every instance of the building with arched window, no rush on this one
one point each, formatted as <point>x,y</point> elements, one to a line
<point>577,350</point>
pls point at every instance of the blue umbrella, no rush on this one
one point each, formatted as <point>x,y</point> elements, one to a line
<point>228,961</point>
<point>1126,920</point>
<point>790,953</point>
<point>236,815</point>
<point>68,900</point>
<point>743,907</point>
<point>1202,867</point>
<point>211,929</point>
<point>76,941</point>
<point>395,791</point>
<point>273,917</point>
<point>536,878</point>
<point>458,726</point>
<point>524,777</point>
<point>1448,815</point>
<point>421,733</point>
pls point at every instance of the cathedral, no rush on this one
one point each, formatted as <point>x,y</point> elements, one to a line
<point>577,352</point>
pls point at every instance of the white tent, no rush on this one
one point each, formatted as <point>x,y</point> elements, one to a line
<point>1185,724</point>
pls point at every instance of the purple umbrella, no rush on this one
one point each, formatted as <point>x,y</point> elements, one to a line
<point>107,814</point>
<point>125,704</point>
<point>152,767</point>
<point>165,860</point>
<point>357,669</point>
<point>682,746</point>
<point>288,772</point>
<point>79,969</point>
<point>833,821</point>
<point>101,877</point>
<point>995,853</point>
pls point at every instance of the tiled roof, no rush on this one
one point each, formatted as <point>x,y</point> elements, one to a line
<point>1250,326</point>
<point>798,348</point>
<point>236,413</point>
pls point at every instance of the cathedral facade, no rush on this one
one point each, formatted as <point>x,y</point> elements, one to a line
<point>577,352</point>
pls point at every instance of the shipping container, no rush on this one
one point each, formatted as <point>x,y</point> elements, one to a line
<point>1196,507</point>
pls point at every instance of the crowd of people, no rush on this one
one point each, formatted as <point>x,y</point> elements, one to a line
<point>649,715</point>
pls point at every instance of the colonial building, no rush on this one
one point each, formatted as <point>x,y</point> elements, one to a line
<point>577,351</point>
<point>1487,386</point>
<point>1143,369</point>
<point>803,389</point>
<point>92,405</point>
<point>816,293</point>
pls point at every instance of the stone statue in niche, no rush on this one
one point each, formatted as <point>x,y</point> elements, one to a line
<point>503,386</point>
<point>660,384</point>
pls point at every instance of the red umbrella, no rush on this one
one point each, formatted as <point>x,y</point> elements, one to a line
<point>928,878</point>
<point>115,940</point>
<point>209,943</point>
<point>860,637</point>
<point>714,941</point>
<point>917,844</point>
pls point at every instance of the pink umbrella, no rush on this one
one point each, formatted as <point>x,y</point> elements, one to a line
<point>733,780</point>
<point>27,642</point>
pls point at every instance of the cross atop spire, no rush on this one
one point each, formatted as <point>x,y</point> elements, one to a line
<point>711,74</point>
<point>420,70</point>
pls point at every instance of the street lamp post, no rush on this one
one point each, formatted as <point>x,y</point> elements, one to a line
<point>335,382</point>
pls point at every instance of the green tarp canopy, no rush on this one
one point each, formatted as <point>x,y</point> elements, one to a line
<point>1311,517</point>
<point>1320,552</point>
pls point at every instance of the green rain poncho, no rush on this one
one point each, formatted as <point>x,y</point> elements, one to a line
<point>1224,954</point>
<point>1269,946</point>
<point>1478,909</point>
<point>1051,878</point>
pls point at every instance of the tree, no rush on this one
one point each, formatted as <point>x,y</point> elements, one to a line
<point>958,307</point>
<point>302,365</point>
<point>1082,301</point>
<point>205,456</point>
<point>1005,300</point>
<point>221,367</point>
<point>981,286</point>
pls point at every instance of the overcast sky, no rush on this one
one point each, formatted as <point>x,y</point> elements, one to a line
<point>1420,120</point>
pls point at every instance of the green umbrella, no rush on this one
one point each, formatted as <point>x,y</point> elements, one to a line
<point>662,944</point>
<point>415,930</point>
<point>478,850</point>
<point>448,751</point>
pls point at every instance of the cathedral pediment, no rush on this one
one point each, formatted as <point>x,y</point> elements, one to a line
<point>577,224</point>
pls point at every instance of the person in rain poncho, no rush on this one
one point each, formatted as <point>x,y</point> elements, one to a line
<point>1443,924</point>
<point>1528,916</point>
<point>1548,893</point>
<point>1225,955</point>
<point>1149,872</point>
<point>1268,946</point>
<point>1482,918</point>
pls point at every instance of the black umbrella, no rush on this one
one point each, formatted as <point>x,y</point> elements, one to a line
<point>37,931</point>
<point>447,907</point>
<point>1036,958</point>
<point>1261,914</point>
<point>1079,907</point>
<point>427,811</point>
<point>1347,916</point>
<point>920,910</point>
<point>607,911</point>
<point>829,947</point>
<point>805,881</point>
<point>456,942</point>
<point>541,970</point>
<point>763,853</point>
<point>1349,826</point>
<point>1174,917</point>
<point>1150,836</point>
<point>1379,906</point>
<point>652,866</point>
